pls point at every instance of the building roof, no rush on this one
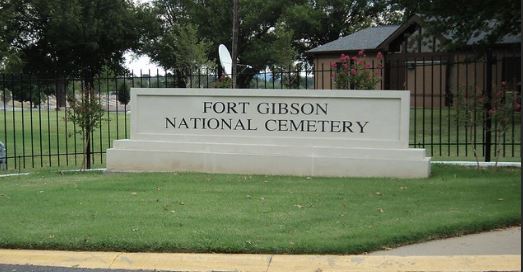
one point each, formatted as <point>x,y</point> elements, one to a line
<point>366,39</point>
<point>378,38</point>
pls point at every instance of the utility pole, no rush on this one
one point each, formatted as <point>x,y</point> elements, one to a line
<point>235,32</point>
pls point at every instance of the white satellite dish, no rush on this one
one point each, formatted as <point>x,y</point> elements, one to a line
<point>225,59</point>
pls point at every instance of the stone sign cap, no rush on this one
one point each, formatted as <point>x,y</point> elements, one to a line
<point>337,118</point>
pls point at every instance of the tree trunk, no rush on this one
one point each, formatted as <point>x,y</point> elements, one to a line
<point>88,94</point>
<point>60,92</point>
<point>180,79</point>
<point>88,155</point>
<point>244,80</point>
<point>235,32</point>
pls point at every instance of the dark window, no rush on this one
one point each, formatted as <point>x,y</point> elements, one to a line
<point>511,72</point>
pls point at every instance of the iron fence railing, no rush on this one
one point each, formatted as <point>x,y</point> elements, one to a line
<point>37,131</point>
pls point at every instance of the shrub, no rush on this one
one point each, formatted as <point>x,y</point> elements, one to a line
<point>354,73</point>
<point>472,106</point>
<point>222,83</point>
<point>124,93</point>
<point>5,96</point>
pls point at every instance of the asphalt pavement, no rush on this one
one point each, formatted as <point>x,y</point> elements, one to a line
<point>31,268</point>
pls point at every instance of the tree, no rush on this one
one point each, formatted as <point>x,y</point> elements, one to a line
<point>483,22</point>
<point>75,38</point>
<point>30,89</point>
<point>270,32</point>
<point>13,31</point>
<point>317,22</point>
<point>212,21</point>
<point>124,92</point>
<point>265,26</point>
<point>257,33</point>
<point>173,41</point>
<point>283,57</point>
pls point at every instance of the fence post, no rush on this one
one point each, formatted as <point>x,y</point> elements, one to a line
<point>487,127</point>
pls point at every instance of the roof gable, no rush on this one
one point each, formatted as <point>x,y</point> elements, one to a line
<point>366,39</point>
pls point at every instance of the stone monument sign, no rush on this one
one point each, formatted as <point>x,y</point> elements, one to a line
<point>273,132</point>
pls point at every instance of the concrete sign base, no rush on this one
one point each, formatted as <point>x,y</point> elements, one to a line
<point>270,132</point>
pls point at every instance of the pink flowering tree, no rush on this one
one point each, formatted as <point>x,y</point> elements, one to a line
<point>355,73</point>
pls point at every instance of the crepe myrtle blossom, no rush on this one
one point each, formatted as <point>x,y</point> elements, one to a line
<point>354,72</point>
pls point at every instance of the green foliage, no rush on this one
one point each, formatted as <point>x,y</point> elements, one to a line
<point>10,29</point>
<point>485,22</point>
<point>316,23</point>
<point>222,83</point>
<point>5,96</point>
<point>190,52</point>
<point>284,53</point>
<point>264,39</point>
<point>87,114</point>
<point>177,47</point>
<point>283,56</point>
<point>503,105</point>
<point>75,37</point>
<point>29,89</point>
<point>354,73</point>
<point>10,62</point>
<point>472,106</point>
<point>124,93</point>
<point>34,94</point>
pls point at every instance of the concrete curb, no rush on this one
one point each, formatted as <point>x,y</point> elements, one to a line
<point>481,164</point>
<point>14,174</point>
<point>255,262</point>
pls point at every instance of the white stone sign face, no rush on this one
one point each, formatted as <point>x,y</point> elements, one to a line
<point>294,132</point>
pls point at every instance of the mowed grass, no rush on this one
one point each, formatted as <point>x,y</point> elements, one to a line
<point>191,212</point>
<point>444,136</point>
<point>38,138</point>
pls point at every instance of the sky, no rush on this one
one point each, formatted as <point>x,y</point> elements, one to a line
<point>134,63</point>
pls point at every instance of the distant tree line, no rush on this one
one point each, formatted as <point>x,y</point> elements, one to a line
<point>83,38</point>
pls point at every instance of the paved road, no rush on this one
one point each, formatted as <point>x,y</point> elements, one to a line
<point>30,268</point>
<point>500,242</point>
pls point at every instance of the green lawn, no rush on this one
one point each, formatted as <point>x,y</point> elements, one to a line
<point>236,213</point>
<point>45,139</point>
<point>445,138</point>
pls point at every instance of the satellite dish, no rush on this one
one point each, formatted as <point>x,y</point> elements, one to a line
<point>225,59</point>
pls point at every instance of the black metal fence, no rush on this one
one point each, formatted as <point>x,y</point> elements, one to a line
<point>456,106</point>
